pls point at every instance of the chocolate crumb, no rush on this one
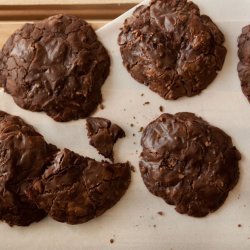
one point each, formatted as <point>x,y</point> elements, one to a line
<point>160,213</point>
<point>102,106</point>
<point>133,134</point>
<point>142,94</point>
<point>111,241</point>
<point>146,103</point>
<point>132,168</point>
<point>131,125</point>
<point>239,225</point>
<point>141,129</point>
<point>133,117</point>
<point>161,108</point>
<point>154,225</point>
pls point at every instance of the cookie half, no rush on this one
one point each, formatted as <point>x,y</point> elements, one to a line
<point>23,156</point>
<point>75,189</point>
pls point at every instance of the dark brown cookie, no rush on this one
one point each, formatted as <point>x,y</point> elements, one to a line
<point>103,135</point>
<point>244,64</point>
<point>171,48</point>
<point>75,189</point>
<point>36,178</point>
<point>189,163</point>
<point>57,66</point>
<point>23,156</point>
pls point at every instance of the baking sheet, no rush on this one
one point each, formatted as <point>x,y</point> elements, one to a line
<point>134,223</point>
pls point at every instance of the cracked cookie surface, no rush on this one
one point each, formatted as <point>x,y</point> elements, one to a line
<point>103,135</point>
<point>75,189</point>
<point>171,48</point>
<point>244,63</point>
<point>23,156</point>
<point>189,163</point>
<point>57,66</point>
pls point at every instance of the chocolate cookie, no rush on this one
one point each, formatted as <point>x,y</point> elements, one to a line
<point>244,64</point>
<point>189,163</point>
<point>23,155</point>
<point>171,48</point>
<point>57,66</point>
<point>103,135</point>
<point>75,189</point>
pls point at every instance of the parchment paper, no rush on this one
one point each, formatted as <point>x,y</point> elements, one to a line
<point>134,223</point>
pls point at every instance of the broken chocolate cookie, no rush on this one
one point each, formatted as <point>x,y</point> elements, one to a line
<point>37,178</point>
<point>57,66</point>
<point>75,189</point>
<point>103,135</point>
<point>171,48</point>
<point>189,163</point>
<point>23,156</point>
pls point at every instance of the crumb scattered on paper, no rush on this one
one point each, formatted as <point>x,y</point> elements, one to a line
<point>132,168</point>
